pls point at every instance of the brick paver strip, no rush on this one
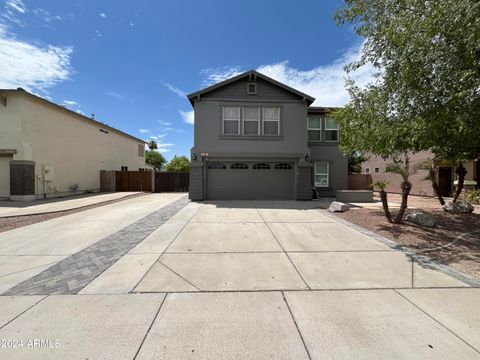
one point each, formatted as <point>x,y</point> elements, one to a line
<point>72,274</point>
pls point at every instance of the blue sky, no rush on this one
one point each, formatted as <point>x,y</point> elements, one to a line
<point>132,62</point>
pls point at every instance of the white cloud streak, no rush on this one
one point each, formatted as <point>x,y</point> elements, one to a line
<point>32,66</point>
<point>16,5</point>
<point>116,95</point>
<point>103,15</point>
<point>326,83</point>
<point>187,116</point>
<point>215,75</point>
<point>144,131</point>
<point>174,89</point>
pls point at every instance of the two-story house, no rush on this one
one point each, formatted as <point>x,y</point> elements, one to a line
<point>256,138</point>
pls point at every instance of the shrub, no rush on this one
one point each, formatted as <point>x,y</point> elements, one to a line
<point>473,197</point>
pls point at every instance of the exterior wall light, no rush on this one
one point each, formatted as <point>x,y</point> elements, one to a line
<point>194,156</point>
<point>307,158</point>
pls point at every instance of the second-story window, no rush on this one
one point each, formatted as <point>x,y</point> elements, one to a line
<point>231,120</point>
<point>314,128</point>
<point>331,130</point>
<point>251,120</point>
<point>271,121</point>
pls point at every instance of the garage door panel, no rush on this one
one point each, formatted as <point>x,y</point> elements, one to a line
<point>248,184</point>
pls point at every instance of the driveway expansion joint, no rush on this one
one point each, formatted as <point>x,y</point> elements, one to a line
<point>296,326</point>
<point>73,273</point>
<point>414,255</point>
<point>437,321</point>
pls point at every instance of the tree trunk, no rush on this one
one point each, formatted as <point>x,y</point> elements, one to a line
<point>436,190</point>
<point>461,172</point>
<point>406,187</point>
<point>383,196</point>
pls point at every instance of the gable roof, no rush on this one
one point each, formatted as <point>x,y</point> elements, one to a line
<point>251,73</point>
<point>21,91</point>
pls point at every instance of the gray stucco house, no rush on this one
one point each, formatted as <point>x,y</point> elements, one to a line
<point>256,138</point>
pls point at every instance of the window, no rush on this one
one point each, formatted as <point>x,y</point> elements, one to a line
<point>239,166</point>
<point>271,121</point>
<point>141,150</point>
<point>251,121</point>
<point>321,174</point>
<point>216,165</point>
<point>124,168</point>
<point>331,130</point>
<point>314,128</point>
<point>377,170</point>
<point>231,120</point>
<point>251,88</point>
<point>367,171</point>
<point>283,166</point>
<point>261,166</point>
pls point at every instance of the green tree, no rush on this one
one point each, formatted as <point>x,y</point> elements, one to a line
<point>152,145</point>
<point>178,164</point>
<point>355,160</point>
<point>369,127</point>
<point>155,159</point>
<point>428,56</point>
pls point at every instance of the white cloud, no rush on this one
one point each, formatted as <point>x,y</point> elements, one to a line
<point>80,112</point>
<point>215,75</point>
<point>16,5</point>
<point>116,95</point>
<point>32,66</point>
<point>45,15</point>
<point>14,9</point>
<point>103,15</point>
<point>70,102</point>
<point>175,90</point>
<point>188,116</point>
<point>326,83</point>
<point>144,131</point>
<point>166,123</point>
<point>130,23</point>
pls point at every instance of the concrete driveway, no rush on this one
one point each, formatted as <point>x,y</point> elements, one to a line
<point>230,280</point>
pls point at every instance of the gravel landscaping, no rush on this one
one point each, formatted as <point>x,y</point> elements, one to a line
<point>454,241</point>
<point>14,222</point>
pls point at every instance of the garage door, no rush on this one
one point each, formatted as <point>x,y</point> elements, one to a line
<point>247,181</point>
<point>4,177</point>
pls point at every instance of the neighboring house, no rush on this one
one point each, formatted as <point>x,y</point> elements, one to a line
<point>445,177</point>
<point>47,150</point>
<point>256,138</point>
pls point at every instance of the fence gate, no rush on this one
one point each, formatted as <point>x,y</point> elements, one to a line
<point>171,182</point>
<point>133,180</point>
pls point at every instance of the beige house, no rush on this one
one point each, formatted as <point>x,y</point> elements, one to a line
<point>446,176</point>
<point>48,151</point>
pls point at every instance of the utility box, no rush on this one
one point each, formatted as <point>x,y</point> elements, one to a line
<point>48,173</point>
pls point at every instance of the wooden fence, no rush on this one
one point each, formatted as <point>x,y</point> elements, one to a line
<point>134,180</point>
<point>171,182</point>
<point>359,182</point>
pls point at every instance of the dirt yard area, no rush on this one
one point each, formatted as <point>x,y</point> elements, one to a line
<point>455,241</point>
<point>14,222</point>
